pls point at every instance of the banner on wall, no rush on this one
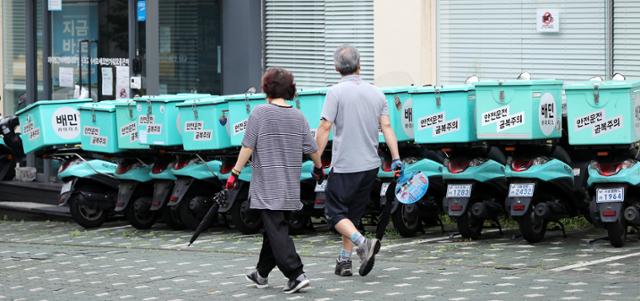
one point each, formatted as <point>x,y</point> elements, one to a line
<point>548,20</point>
<point>122,82</point>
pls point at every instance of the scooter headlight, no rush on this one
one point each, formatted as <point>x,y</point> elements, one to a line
<point>540,160</point>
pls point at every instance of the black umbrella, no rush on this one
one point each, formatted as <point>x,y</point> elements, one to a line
<point>383,222</point>
<point>208,218</point>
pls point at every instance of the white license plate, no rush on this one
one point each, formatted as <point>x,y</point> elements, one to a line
<point>66,187</point>
<point>459,191</point>
<point>321,187</point>
<point>610,195</point>
<point>521,190</point>
<point>384,188</point>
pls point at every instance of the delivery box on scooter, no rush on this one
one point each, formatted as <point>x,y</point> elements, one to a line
<point>400,106</point>
<point>98,127</point>
<point>444,114</point>
<point>310,103</point>
<point>50,122</point>
<point>204,123</point>
<point>127,112</point>
<point>519,109</point>
<point>240,107</point>
<point>603,112</point>
<point>159,121</point>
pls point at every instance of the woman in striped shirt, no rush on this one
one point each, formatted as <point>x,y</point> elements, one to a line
<point>276,138</point>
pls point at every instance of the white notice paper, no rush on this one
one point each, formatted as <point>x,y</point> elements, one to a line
<point>55,5</point>
<point>107,81</point>
<point>122,82</point>
<point>65,77</point>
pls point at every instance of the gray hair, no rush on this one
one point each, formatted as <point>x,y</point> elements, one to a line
<point>346,59</point>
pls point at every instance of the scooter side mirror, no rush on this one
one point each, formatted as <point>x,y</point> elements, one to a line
<point>472,79</point>
<point>524,76</point>
<point>251,90</point>
<point>596,79</point>
<point>618,76</point>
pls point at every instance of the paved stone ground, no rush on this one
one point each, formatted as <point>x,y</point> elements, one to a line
<point>58,260</point>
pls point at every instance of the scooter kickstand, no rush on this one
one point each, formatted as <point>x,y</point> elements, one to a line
<point>564,233</point>
<point>452,235</point>
<point>441,224</point>
<point>499,226</point>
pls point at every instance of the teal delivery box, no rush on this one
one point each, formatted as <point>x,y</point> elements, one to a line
<point>50,122</point>
<point>98,128</point>
<point>127,112</point>
<point>240,107</point>
<point>205,124</point>
<point>519,109</point>
<point>603,112</point>
<point>444,114</point>
<point>158,121</point>
<point>400,107</point>
<point>310,103</point>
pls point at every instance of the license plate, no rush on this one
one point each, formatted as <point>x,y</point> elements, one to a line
<point>610,195</point>
<point>321,187</point>
<point>384,188</point>
<point>459,190</point>
<point>66,187</point>
<point>521,190</point>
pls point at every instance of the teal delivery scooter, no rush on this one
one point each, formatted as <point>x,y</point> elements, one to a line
<point>90,188</point>
<point>602,115</point>
<point>524,118</point>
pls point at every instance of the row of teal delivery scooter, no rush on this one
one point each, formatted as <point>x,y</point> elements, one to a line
<point>535,150</point>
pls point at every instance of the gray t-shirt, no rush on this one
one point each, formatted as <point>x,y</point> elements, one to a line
<point>354,107</point>
<point>279,137</point>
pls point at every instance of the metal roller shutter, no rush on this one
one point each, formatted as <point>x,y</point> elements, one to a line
<point>302,35</point>
<point>497,39</point>
<point>626,33</point>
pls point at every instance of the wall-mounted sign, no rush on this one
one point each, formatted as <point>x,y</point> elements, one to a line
<point>548,20</point>
<point>55,5</point>
<point>142,10</point>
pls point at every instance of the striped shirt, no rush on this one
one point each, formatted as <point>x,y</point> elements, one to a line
<point>279,137</point>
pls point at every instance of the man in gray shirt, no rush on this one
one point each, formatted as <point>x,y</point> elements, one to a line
<point>357,109</point>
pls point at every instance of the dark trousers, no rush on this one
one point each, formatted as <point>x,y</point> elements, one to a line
<point>348,196</point>
<point>277,247</point>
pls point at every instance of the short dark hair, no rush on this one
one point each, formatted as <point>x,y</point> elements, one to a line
<point>278,83</point>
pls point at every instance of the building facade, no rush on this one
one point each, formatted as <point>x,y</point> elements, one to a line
<point>222,46</point>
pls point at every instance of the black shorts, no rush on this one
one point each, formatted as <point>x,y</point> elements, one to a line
<point>348,195</point>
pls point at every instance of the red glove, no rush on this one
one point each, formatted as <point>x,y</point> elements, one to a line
<point>232,181</point>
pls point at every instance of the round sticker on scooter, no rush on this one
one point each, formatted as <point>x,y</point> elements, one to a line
<point>65,122</point>
<point>411,187</point>
<point>407,118</point>
<point>547,114</point>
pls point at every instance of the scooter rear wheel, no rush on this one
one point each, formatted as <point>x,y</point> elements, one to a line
<point>406,220</point>
<point>532,227</point>
<point>139,215</point>
<point>617,233</point>
<point>192,210</point>
<point>86,215</point>
<point>243,218</point>
<point>469,226</point>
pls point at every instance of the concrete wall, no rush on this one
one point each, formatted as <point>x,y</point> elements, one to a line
<point>241,45</point>
<point>404,42</point>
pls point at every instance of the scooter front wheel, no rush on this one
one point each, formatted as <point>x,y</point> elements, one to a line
<point>469,226</point>
<point>532,227</point>
<point>85,214</point>
<point>139,214</point>
<point>406,220</point>
<point>617,233</point>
